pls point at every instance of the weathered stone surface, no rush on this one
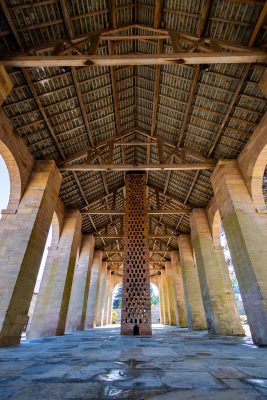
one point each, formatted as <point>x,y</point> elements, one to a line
<point>80,285</point>
<point>100,364</point>
<point>247,237</point>
<point>51,308</point>
<point>22,241</point>
<point>219,304</point>
<point>195,309</point>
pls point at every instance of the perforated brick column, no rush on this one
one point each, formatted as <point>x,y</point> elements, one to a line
<point>136,308</point>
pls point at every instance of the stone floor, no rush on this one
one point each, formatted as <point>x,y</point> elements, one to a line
<point>100,364</point>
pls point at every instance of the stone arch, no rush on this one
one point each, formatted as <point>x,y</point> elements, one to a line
<point>215,222</point>
<point>14,177</point>
<point>57,222</point>
<point>252,162</point>
<point>18,160</point>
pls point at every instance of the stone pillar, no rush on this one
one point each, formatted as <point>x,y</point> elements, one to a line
<point>219,304</point>
<point>179,289</point>
<point>246,235</point>
<point>23,236</point>
<point>195,309</point>
<point>106,300</point>
<point>90,321</point>
<point>136,305</point>
<point>80,285</point>
<point>161,299</point>
<point>166,298</point>
<point>171,294</point>
<point>51,308</point>
<point>6,84</point>
<point>101,294</point>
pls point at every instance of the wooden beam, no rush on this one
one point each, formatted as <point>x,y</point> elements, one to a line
<point>150,250</point>
<point>258,25</point>
<point>150,212</point>
<point>203,17</point>
<point>150,236</point>
<point>141,167</point>
<point>234,57</point>
<point>11,24</point>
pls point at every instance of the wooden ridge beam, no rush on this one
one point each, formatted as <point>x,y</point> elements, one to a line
<point>150,212</point>
<point>150,236</point>
<point>234,57</point>
<point>150,250</point>
<point>141,167</point>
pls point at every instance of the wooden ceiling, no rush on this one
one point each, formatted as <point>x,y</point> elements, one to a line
<point>95,116</point>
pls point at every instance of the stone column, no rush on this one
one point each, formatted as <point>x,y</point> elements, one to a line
<point>166,299</point>
<point>171,294</point>
<point>195,309</point>
<point>161,299</point>
<point>101,294</point>
<point>80,285</point>
<point>246,235</point>
<point>106,300</point>
<point>51,308</point>
<point>179,289</point>
<point>219,305</point>
<point>90,321</point>
<point>23,237</point>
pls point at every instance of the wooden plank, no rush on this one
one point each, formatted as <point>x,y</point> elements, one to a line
<point>142,167</point>
<point>235,57</point>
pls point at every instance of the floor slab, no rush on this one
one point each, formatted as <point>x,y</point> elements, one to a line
<point>100,364</point>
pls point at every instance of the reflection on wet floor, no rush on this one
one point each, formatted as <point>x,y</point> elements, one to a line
<point>100,364</point>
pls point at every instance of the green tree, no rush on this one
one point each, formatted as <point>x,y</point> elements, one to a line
<point>154,298</point>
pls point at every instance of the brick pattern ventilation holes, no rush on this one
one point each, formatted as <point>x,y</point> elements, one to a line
<point>136,308</point>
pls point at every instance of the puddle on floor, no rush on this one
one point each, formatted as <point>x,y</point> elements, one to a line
<point>113,376</point>
<point>261,383</point>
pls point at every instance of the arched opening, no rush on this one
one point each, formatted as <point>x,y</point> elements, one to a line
<point>155,303</point>
<point>116,304</point>
<point>4,184</point>
<point>259,181</point>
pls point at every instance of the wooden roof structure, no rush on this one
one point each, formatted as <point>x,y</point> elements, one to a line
<point>105,86</point>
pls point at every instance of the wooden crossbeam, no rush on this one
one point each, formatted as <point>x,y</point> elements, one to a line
<point>141,167</point>
<point>150,236</point>
<point>150,212</point>
<point>234,57</point>
<point>166,252</point>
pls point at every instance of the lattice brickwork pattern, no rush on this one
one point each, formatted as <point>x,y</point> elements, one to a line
<point>136,308</point>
